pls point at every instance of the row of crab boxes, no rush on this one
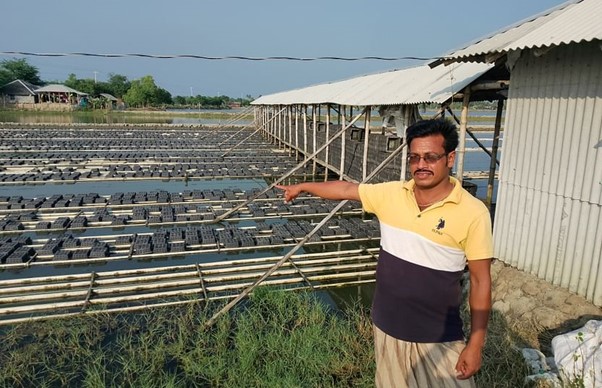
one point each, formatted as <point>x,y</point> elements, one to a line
<point>19,249</point>
<point>161,196</point>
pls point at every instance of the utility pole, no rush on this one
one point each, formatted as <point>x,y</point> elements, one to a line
<point>95,72</point>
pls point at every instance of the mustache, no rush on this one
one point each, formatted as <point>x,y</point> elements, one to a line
<point>422,170</point>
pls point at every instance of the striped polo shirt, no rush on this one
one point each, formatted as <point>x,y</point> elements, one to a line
<point>422,257</point>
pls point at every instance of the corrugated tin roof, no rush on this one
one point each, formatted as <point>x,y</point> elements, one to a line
<point>19,87</point>
<point>573,21</point>
<point>58,88</point>
<point>397,87</point>
<point>108,96</point>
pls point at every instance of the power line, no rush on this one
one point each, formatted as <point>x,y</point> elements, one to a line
<point>203,57</point>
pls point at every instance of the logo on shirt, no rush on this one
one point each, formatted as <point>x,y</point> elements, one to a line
<point>440,225</point>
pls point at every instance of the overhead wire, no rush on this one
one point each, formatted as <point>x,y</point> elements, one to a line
<point>213,58</point>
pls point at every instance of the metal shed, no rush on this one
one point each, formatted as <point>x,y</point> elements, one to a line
<point>549,208</point>
<point>290,117</point>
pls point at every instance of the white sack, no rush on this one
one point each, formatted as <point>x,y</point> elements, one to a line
<point>578,354</point>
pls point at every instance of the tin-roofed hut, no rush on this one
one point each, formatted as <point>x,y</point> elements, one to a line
<point>290,117</point>
<point>549,208</point>
<point>61,97</point>
<point>18,92</point>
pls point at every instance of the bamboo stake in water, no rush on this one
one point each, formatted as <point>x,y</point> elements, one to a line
<point>246,138</point>
<point>288,174</point>
<point>286,257</point>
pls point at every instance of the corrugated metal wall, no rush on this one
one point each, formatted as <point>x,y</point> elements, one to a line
<point>548,217</point>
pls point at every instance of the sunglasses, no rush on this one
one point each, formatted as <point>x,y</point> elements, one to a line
<point>430,158</point>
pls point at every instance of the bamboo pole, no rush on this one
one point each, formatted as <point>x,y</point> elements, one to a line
<point>286,257</point>
<point>343,145</point>
<point>460,152</point>
<point>314,138</point>
<point>133,293</point>
<point>327,155</point>
<point>191,279</point>
<point>279,127</point>
<point>147,306</point>
<point>201,281</point>
<point>481,145</point>
<point>290,131</point>
<point>246,138</point>
<point>494,149</point>
<point>89,294</point>
<point>233,135</point>
<point>297,133</point>
<point>366,142</point>
<point>216,283</point>
<point>288,174</point>
<point>10,286</point>
<point>305,133</point>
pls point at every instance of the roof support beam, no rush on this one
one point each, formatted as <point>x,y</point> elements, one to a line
<point>494,148</point>
<point>462,146</point>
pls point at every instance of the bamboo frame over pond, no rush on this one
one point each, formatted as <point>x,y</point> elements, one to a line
<point>23,300</point>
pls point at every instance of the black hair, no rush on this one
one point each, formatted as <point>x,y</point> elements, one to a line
<point>430,127</point>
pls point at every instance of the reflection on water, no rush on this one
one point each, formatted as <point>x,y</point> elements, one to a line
<point>117,117</point>
<point>112,187</point>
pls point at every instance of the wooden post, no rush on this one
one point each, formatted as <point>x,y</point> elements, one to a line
<point>305,132</point>
<point>343,138</point>
<point>279,125</point>
<point>461,151</point>
<point>267,124</point>
<point>297,133</point>
<point>366,137</point>
<point>290,130</point>
<point>326,157</point>
<point>404,154</point>
<point>274,126</point>
<point>314,138</point>
<point>494,147</point>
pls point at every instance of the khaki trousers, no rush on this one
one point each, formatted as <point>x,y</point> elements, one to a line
<point>416,365</point>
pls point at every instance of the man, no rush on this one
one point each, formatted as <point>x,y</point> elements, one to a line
<point>431,228</point>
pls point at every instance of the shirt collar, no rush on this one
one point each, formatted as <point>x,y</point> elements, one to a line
<point>454,196</point>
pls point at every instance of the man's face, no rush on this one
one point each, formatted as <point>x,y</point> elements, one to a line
<point>433,171</point>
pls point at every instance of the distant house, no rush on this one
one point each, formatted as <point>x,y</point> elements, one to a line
<point>61,94</point>
<point>108,101</point>
<point>17,92</point>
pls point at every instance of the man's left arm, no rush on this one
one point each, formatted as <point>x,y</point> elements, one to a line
<point>479,300</point>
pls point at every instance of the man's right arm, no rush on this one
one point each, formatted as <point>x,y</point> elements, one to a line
<point>338,190</point>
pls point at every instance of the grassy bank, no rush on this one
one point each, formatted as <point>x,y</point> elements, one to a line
<point>166,117</point>
<point>275,339</point>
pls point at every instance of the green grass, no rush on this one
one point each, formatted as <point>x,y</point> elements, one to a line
<point>279,339</point>
<point>273,339</point>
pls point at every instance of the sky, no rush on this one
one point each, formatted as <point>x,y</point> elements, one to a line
<point>251,28</point>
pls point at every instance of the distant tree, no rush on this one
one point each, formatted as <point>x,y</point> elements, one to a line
<point>86,85</point>
<point>179,100</point>
<point>163,97</point>
<point>144,93</point>
<point>12,69</point>
<point>118,85</point>
<point>213,102</point>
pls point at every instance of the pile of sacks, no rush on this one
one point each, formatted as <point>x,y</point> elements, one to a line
<point>577,358</point>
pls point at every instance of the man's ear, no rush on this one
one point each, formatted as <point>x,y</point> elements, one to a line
<point>451,158</point>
